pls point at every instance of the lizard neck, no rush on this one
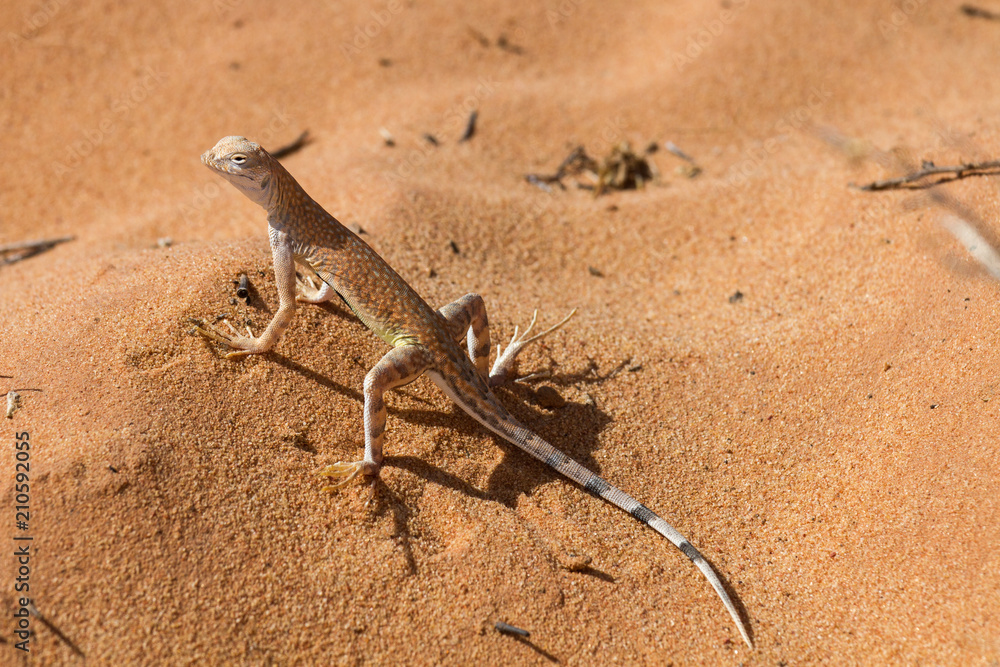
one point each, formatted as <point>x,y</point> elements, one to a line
<point>288,204</point>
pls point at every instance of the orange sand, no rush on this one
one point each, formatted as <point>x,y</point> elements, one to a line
<point>829,441</point>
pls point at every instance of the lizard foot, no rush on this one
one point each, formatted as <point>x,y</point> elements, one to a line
<point>307,291</point>
<point>506,359</point>
<point>347,472</point>
<point>240,345</point>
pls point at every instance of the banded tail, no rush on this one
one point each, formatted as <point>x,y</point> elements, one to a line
<point>507,427</point>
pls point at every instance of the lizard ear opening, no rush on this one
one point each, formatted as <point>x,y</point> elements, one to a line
<point>265,181</point>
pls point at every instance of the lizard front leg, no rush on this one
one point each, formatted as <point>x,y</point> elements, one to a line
<point>398,367</point>
<point>284,275</point>
<point>468,314</point>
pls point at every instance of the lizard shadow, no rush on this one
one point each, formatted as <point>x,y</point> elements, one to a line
<point>536,648</point>
<point>511,477</point>
<point>514,474</point>
<point>519,473</point>
<point>256,300</point>
<point>435,475</point>
<point>389,501</point>
<point>316,376</point>
<point>337,309</point>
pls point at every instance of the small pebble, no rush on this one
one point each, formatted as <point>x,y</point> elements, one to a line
<point>549,398</point>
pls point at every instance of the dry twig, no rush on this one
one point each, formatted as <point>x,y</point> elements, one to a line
<point>924,177</point>
<point>979,13</point>
<point>470,126</point>
<point>293,147</point>
<point>968,228</point>
<point>15,252</point>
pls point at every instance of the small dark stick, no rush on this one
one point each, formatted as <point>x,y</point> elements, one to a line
<point>15,252</point>
<point>470,127</point>
<point>979,13</point>
<point>930,175</point>
<point>296,145</point>
<point>243,287</point>
<point>33,610</point>
<point>511,630</point>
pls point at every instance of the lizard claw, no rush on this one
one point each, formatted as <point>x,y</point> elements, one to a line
<point>346,473</point>
<point>307,291</point>
<point>506,358</point>
<point>237,342</point>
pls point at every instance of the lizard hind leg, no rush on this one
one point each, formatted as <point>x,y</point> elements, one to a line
<point>398,367</point>
<point>307,291</point>
<point>468,314</point>
<point>467,317</point>
<point>504,366</point>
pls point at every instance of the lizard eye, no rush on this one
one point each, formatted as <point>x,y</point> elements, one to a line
<point>238,158</point>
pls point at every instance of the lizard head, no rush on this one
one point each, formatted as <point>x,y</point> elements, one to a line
<point>244,164</point>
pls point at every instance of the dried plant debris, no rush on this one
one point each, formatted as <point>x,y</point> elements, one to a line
<point>503,42</point>
<point>621,169</point>
<point>470,126</point>
<point>13,403</point>
<point>689,170</point>
<point>14,400</point>
<point>293,147</point>
<point>576,162</point>
<point>930,175</point>
<point>971,230</point>
<point>506,45</point>
<point>483,40</point>
<point>624,169</point>
<point>979,13</point>
<point>915,177</point>
<point>15,252</point>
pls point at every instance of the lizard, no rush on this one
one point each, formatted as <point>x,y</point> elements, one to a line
<point>423,340</point>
